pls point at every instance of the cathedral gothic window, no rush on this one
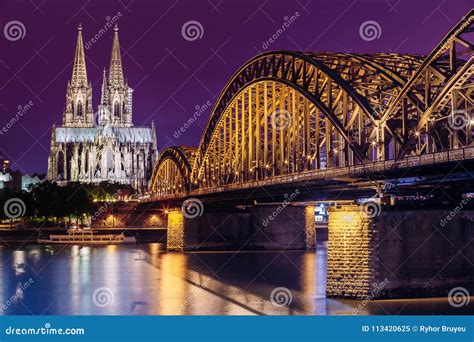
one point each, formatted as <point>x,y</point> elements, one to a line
<point>79,109</point>
<point>117,109</point>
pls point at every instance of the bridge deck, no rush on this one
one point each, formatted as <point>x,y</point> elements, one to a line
<point>356,171</point>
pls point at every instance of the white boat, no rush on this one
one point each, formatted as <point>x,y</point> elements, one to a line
<point>86,237</point>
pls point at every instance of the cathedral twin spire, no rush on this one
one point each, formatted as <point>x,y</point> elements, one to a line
<point>115,103</point>
<point>116,71</point>
<point>79,71</point>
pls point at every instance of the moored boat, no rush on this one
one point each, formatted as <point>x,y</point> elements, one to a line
<point>86,237</point>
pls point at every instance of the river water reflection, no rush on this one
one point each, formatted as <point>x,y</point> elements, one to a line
<point>146,280</point>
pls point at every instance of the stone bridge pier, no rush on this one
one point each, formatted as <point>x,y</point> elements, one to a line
<point>381,253</point>
<point>399,253</point>
<point>261,227</point>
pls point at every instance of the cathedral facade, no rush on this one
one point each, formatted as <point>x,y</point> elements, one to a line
<point>102,145</point>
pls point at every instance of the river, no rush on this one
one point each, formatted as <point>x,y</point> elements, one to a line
<point>144,279</point>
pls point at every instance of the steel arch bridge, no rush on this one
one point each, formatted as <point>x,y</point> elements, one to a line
<point>287,112</point>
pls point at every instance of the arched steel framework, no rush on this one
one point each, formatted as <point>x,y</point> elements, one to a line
<point>285,112</point>
<point>172,171</point>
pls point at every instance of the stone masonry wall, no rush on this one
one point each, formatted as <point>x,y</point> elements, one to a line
<point>126,215</point>
<point>399,253</point>
<point>351,265</point>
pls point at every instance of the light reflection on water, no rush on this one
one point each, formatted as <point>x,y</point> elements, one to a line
<point>146,280</point>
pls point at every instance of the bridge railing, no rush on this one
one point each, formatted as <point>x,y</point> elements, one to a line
<point>338,172</point>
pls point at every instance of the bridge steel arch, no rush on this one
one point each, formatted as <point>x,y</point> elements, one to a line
<point>285,111</point>
<point>172,171</point>
<point>324,106</point>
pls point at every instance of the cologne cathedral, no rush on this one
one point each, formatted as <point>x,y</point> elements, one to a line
<point>103,145</point>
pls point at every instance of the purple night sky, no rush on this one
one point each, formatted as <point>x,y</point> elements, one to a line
<point>170,75</point>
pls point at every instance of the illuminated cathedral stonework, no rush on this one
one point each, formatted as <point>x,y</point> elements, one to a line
<point>101,146</point>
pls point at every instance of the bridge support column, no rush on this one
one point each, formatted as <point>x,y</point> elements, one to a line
<point>399,253</point>
<point>175,234</point>
<point>283,227</point>
<point>352,237</point>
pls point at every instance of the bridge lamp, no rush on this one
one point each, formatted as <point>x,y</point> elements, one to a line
<point>335,150</point>
<point>267,166</point>
<point>417,134</point>
<point>374,143</point>
<point>471,122</point>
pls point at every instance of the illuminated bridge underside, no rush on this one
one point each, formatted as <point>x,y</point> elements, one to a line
<point>286,113</point>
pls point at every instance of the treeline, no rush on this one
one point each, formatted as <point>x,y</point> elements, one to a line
<point>47,201</point>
